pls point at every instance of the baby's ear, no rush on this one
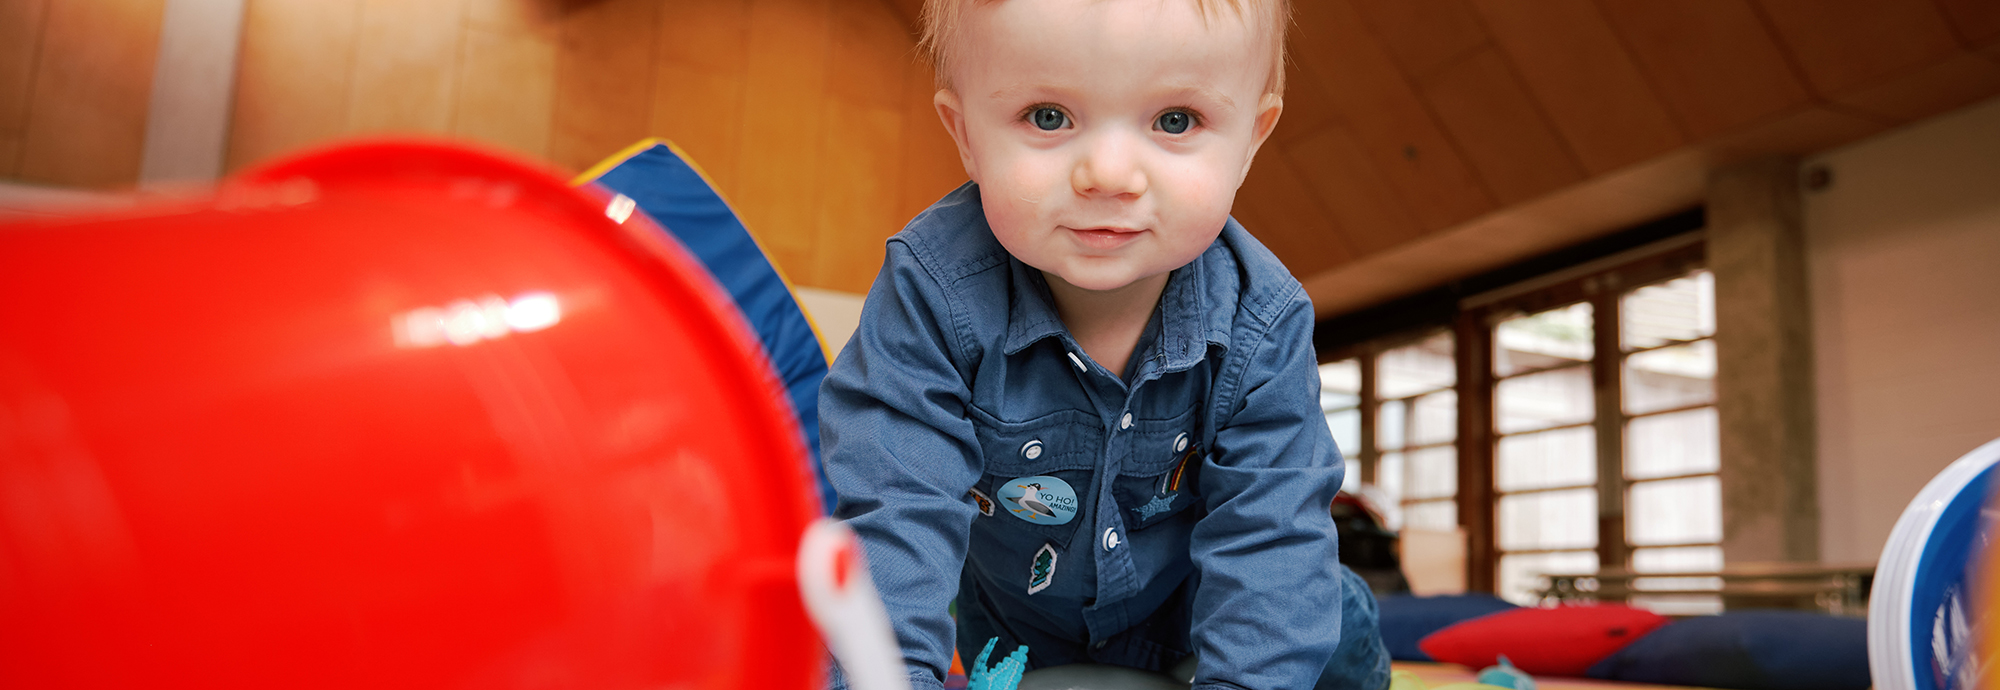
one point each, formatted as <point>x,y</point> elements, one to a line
<point>1268,109</point>
<point>952,112</point>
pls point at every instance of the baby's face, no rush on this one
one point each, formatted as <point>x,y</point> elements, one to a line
<point>1108,137</point>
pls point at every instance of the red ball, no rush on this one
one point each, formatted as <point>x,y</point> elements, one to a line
<point>389,415</point>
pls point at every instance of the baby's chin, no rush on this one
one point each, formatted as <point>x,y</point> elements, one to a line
<point>1097,279</point>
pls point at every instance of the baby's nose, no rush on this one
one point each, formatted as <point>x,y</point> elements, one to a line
<point>1109,167</point>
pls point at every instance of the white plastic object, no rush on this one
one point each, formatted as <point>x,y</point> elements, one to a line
<point>842,601</point>
<point>1917,613</point>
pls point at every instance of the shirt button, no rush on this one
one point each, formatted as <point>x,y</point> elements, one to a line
<point>1180,443</point>
<point>1031,449</point>
<point>1099,645</point>
<point>1078,361</point>
<point>1125,422</point>
<point>1110,538</point>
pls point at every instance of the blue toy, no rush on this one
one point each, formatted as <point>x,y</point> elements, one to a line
<point>1506,676</point>
<point>1005,675</point>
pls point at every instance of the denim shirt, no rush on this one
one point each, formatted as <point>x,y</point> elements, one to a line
<point>1208,461</point>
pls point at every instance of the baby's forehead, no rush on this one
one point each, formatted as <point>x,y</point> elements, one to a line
<point>1001,33</point>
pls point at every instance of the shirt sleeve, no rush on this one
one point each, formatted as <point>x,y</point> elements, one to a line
<point>1267,614</point>
<point>901,454</point>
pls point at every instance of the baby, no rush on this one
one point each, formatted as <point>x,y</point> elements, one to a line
<point>1082,399</point>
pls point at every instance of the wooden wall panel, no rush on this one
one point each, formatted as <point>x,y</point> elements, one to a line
<point>931,166</point>
<point>1977,22</point>
<point>292,77</point>
<point>604,80</point>
<point>1424,35</point>
<point>1573,63</point>
<point>860,147</point>
<point>1845,44</point>
<point>1957,80</point>
<point>1357,197</point>
<point>1713,62</point>
<point>507,75</point>
<point>1390,122</point>
<point>1277,206</point>
<point>506,91</point>
<point>20,44</point>
<point>783,122</point>
<point>405,66</point>
<point>698,95</point>
<point>86,120</point>
<point>1307,106</point>
<point>1501,129</point>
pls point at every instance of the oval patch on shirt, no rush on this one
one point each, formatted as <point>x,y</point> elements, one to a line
<point>1041,500</point>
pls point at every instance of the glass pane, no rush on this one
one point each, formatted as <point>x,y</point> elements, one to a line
<point>1671,444</point>
<point>1346,428</point>
<point>1539,401</point>
<point>1565,457</point>
<point>1340,384</point>
<point>1679,309</point>
<point>1679,604</point>
<point>1435,419</point>
<point>1433,473</point>
<point>1389,477</point>
<point>1521,579</point>
<point>1670,377</point>
<point>1425,365</point>
<point>1390,429</point>
<point>1549,520</point>
<point>1675,511</point>
<point>1431,515</point>
<point>1678,560</point>
<point>1538,341</point>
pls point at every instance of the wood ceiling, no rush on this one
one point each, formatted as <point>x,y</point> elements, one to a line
<point>1428,140</point>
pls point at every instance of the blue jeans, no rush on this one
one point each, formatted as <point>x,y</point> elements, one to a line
<point>1360,661</point>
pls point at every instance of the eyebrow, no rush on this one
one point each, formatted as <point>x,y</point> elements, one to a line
<point>1196,89</point>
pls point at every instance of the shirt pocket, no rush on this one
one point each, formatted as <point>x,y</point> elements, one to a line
<point>1159,478</point>
<point>1063,445</point>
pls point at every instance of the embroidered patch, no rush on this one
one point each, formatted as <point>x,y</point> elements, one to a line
<point>1041,500</point>
<point>1180,469</point>
<point>1043,571</point>
<point>984,504</point>
<point>1159,504</point>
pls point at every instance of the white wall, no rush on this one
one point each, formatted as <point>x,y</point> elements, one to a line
<point>835,314</point>
<point>1903,250</point>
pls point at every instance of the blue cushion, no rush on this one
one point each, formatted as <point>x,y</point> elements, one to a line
<point>1751,650</point>
<point>1407,619</point>
<point>666,186</point>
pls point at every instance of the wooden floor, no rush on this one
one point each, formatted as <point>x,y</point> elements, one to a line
<point>1435,675</point>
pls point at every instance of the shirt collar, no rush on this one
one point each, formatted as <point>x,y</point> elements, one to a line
<point>1185,331</point>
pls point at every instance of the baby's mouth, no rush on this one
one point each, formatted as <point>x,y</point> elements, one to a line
<point>1104,237</point>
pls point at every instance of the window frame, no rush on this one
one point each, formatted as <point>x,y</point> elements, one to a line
<point>1603,283</point>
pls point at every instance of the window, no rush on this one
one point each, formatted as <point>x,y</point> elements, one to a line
<point>1394,413</point>
<point>1588,438</point>
<point>1415,428</point>
<point>1545,466</point>
<point>1673,499</point>
<point>1606,448</point>
<point>1340,399</point>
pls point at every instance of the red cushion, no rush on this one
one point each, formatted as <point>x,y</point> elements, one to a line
<point>1557,642</point>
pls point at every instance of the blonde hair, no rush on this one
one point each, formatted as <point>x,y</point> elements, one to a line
<point>941,21</point>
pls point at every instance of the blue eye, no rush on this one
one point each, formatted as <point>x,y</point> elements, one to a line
<point>1174,122</point>
<point>1048,119</point>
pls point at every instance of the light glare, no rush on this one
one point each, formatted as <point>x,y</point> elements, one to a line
<point>468,321</point>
